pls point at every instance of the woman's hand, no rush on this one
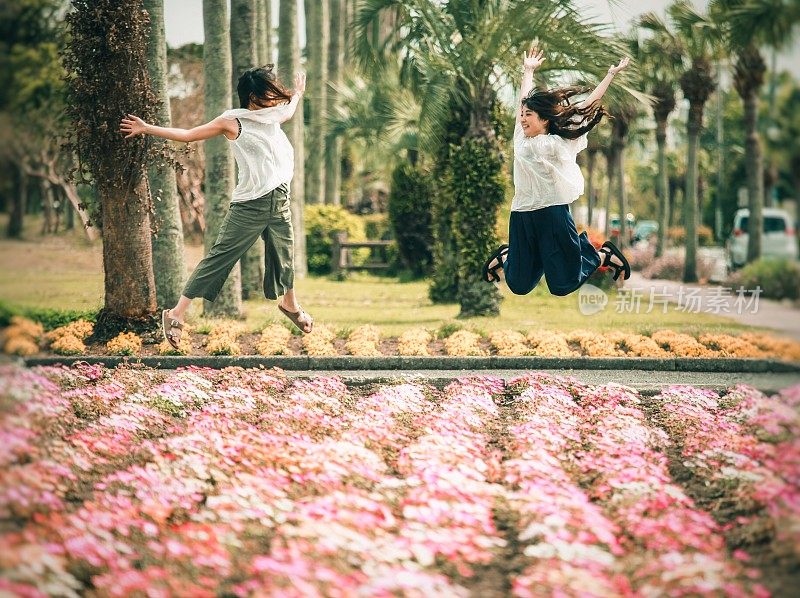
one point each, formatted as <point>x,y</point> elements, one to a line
<point>132,125</point>
<point>300,82</point>
<point>532,59</point>
<point>613,70</point>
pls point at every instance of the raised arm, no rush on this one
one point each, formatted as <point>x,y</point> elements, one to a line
<point>133,125</point>
<point>600,90</point>
<point>530,62</point>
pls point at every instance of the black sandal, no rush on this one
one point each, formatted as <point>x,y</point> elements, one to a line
<point>614,250</point>
<point>490,274</point>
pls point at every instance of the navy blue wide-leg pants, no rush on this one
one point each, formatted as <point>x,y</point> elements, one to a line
<point>545,241</point>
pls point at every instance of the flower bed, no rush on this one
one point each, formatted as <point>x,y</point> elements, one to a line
<point>240,482</point>
<point>231,338</point>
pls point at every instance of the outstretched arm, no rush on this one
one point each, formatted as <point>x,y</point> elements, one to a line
<point>600,90</point>
<point>530,62</point>
<point>133,125</point>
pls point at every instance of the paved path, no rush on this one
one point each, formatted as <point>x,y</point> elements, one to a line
<point>696,298</point>
<point>647,383</point>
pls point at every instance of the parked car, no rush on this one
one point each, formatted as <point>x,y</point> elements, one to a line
<point>779,239</point>
<point>643,230</point>
<point>614,225</point>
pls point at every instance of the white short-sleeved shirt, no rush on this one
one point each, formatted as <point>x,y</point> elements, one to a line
<point>545,170</point>
<point>264,156</point>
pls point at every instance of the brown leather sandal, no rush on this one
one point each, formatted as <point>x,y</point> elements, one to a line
<point>298,320</point>
<point>168,325</point>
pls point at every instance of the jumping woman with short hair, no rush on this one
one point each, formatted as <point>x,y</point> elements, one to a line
<point>550,131</point>
<point>260,202</point>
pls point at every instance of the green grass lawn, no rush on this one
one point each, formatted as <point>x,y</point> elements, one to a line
<point>66,272</point>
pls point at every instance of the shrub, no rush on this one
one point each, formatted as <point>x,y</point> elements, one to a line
<point>126,343</point>
<point>321,222</point>
<point>48,318</point>
<point>410,217</point>
<point>642,257</point>
<point>778,279</point>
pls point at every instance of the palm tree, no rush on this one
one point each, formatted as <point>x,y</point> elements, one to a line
<point>219,162</point>
<point>317,54</point>
<point>333,146</point>
<point>699,39</point>
<point>465,51</point>
<point>747,25</point>
<point>288,65</point>
<point>660,62</point>
<point>169,266</point>
<point>592,150</point>
<point>624,108</point>
<point>264,31</point>
<point>244,55</point>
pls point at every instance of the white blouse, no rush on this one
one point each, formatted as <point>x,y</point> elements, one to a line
<point>545,170</point>
<point>264,156</point>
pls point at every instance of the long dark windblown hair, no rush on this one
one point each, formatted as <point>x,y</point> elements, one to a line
<point>565,119</point>
<point>260,86</point>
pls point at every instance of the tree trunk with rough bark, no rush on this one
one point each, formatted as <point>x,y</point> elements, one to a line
<point>333,147</point>
<point>264,32</point>
<point>591,157</point>
<point>611,167</point>
<point>690,194</point>
<point>127,257</point>
<point>244,55</point>
<point>288,65</point>
<point>317,52</point>
<point>219,161</point>
<point>754,168</point>
<point>169,266</point>
<point>662,190</point>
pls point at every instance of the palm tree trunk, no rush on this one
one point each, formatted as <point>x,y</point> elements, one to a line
<point>169,266</point>
<point>620,130</point>
<point>754,168</point>
<point>590,161</point>
<point>219,162</point>
<point>690,210</point>
<point>288,65</point>
<point>264,32</point>
<point>611,166</point>
<point>243,42</point>
<point>662,190</point>
<point>333,147</point>
<point>317,51</point>
<point>244,55</point>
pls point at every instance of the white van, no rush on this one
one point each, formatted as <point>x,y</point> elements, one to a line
<point>777,241</point>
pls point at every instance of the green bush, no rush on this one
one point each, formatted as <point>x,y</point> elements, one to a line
<point>377,227</point>
<point>778,279</point>
<point>478,181</point>
<point>50,319</point>
<point>410,216</point>
<point>320,222</point>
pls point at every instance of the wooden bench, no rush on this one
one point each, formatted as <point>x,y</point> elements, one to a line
<point>342,260</point>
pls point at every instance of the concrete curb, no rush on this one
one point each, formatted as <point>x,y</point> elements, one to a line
<point>306,363</point>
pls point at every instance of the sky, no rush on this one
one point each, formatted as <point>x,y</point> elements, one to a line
<point>184,21</point>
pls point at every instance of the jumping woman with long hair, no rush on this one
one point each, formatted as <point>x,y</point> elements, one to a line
<point>550,131</point>
<point>260,202</point>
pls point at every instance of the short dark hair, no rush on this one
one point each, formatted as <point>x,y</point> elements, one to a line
<point>565,119</point>
<point>260,86</point>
